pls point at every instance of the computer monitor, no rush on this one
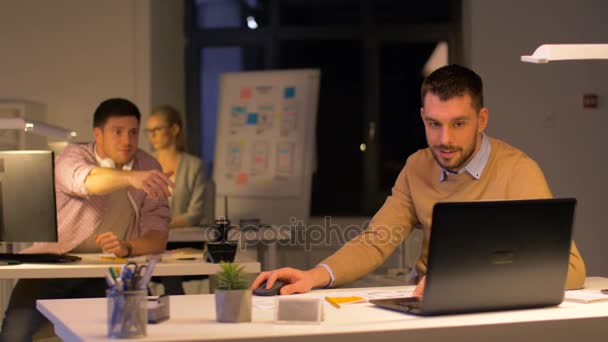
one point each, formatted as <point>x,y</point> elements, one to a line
<point>27,201</point>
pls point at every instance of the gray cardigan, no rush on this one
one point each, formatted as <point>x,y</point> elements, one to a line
<point>187,199</point>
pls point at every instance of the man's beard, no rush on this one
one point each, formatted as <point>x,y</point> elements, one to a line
<point>461,158</point>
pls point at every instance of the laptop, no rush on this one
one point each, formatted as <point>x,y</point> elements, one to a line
<point>494,255</point>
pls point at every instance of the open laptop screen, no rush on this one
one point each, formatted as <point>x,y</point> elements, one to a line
<point>495,255</point>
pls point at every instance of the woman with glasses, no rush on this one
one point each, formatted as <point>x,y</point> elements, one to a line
<point>166,134</point>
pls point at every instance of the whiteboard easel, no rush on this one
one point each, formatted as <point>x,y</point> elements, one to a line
<point>264,152</point>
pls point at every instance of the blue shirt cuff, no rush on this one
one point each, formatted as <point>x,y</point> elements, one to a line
<point>331,275</point>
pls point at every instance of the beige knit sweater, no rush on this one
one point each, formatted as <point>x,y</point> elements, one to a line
<point>508,174</point>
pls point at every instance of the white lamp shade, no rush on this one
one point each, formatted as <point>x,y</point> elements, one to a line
<point>560,52</point>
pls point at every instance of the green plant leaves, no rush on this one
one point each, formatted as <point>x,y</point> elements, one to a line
<point>231,277</point>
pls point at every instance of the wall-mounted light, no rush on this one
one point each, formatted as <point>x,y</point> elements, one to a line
<point>560,52</point>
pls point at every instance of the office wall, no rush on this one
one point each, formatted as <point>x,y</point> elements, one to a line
<point>167,70</point>
<point>538,107</point>
<point>71,55</point>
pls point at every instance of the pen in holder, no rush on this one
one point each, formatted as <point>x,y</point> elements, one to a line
<point>127,313</point>
<point>222,249</point>
<point>127,299</point>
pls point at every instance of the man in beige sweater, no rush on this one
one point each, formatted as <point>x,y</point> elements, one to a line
<point>460,164</point>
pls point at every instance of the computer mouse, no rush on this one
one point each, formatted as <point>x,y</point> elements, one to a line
<point>273,291</point>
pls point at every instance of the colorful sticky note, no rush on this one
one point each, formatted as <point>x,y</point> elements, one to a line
<point>290,92</point>
<point>242,178</point>
<point>245,93</point>
<point>238,110</point>
<point>252,119</point>
<point>259,160</point>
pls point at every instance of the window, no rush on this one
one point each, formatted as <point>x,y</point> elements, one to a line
<point>371,53</point>
<point>214,14</point>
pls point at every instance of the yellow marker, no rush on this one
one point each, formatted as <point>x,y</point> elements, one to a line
<point>336,301</point>
<point>117,259</point>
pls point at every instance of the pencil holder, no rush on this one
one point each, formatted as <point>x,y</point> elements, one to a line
<point>127,313</point>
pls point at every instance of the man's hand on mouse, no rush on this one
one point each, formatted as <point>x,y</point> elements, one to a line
<point>297,281</point>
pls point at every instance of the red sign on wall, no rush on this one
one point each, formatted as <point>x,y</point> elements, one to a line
<point>590,101</point>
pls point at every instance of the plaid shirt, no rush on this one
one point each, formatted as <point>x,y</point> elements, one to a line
<point>79,213</point>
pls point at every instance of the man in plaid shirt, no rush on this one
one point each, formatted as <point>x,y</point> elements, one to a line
<point>111,197</point>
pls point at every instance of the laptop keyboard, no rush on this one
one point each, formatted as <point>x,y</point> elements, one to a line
<point>410,302</point>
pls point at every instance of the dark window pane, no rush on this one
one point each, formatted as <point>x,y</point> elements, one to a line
<point>338,180</point>
<point>319,12</point>
<point>393,12</point>
<point>401,131</point>
<point>215,61</point>
<point>231,13</point>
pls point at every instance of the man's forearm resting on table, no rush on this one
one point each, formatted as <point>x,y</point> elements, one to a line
<point>101,180</point>
<point>153,242</point>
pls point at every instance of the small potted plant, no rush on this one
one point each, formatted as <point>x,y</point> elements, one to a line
<point>232,294</point>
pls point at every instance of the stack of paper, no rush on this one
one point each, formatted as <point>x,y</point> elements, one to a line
<point>585,296</point>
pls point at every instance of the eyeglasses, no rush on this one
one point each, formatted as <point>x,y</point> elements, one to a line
<point>152,131</point>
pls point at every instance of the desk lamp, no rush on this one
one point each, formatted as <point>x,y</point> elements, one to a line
<point>560,52</point>
<point>37,127</point>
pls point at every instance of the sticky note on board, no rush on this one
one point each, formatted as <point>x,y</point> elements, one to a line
<point>245,93</point>
<point>290,92</point>
<point>259,160</point>
<point>242,178</point>
<point>238,110</point>
<point>252,119</point>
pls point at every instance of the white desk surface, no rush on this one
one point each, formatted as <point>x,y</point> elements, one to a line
<point>193,319</point>
<point>92,266</point>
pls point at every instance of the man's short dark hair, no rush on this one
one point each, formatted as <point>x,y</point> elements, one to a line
<point>454,80</point>
<point>114,107</point>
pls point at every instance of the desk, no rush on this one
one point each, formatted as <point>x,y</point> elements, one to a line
<point>92,266</point>
<point>265,239</point>
<point>193,318</point>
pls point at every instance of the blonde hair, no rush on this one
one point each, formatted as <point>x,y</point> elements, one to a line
<point>173,117</point>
